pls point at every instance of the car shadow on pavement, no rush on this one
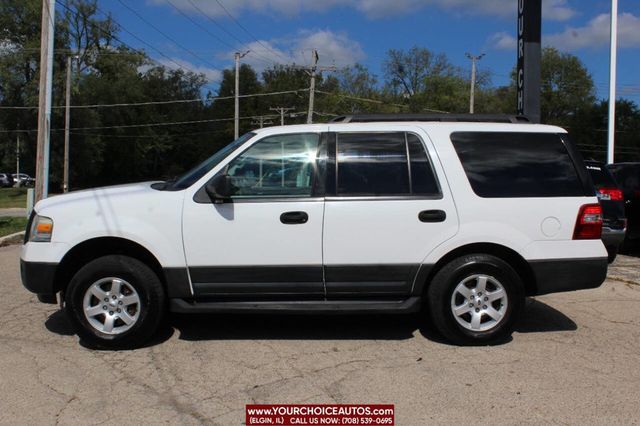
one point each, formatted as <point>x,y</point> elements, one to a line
<point>539,317</point>
<point>631,251</point>
<point>294,327</point>
<point>58,323</point>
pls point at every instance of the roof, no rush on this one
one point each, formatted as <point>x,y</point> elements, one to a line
<point>442,118</point>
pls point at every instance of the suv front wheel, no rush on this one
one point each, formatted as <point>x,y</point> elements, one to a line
<point>475,299</point>
<point>115,302</point>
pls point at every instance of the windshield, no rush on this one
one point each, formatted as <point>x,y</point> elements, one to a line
<point>193,175</point>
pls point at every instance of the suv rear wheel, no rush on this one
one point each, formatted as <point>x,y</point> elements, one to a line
<point>475,299</point>
<point>115,302</point>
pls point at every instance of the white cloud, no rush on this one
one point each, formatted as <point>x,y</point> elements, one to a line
<point>333,49</point>
<point>557,10</point>
<point>284,7</point>
<point>502,41</point>
<point>211,74</point>
<point>596,33</point>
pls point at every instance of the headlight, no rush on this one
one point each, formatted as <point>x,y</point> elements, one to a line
<point>41,229</point>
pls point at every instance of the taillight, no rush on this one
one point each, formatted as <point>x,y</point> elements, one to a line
<point>589,223</point>
<point>612,194</point>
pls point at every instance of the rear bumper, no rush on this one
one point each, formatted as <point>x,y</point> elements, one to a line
<point>39,278</point>
<point>612,237</point>
<point>555,276</point>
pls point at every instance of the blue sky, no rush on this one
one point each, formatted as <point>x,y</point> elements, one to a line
<point>204,36</point>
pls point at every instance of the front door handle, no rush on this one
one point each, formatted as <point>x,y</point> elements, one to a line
<point>432,216</point>
<point>294,218</point>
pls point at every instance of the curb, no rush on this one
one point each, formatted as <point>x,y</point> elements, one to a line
<point>12,239</point>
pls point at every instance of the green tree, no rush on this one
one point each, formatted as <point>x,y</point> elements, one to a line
<point>589,130</point>
<point>406,72</point>
<point>566,87</point>
<point>110,147</point>
<point>224,108</point>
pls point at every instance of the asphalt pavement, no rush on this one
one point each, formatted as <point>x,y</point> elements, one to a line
<point>574,359</point>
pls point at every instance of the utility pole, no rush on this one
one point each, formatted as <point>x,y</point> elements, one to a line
<point>18,161</point>
<point>613,65</point>
<point>474,60</point>
<point>67,121</point>
<point>262,121</point>
<point>44,99</point>
<point>237,56</point>
<point>312,86</point>
<point>312,70</point>
<point>282,111</point>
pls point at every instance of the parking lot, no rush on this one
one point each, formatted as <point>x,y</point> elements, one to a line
<point>575,358</point>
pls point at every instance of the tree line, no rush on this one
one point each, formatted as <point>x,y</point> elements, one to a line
<point>116,144</point>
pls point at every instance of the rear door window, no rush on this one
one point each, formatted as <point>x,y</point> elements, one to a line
<point>383,164</point>
<point>516,165</point>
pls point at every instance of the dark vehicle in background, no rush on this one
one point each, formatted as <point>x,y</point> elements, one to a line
<point>612,201</point>
<point>628,177</point>
<point>24,179</point>
<point>6,180</point>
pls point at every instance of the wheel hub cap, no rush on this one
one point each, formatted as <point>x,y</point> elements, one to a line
<point>479,302</point>
<point>111,305</point>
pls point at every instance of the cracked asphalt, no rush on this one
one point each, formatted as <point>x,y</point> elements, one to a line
<point>574,359</point>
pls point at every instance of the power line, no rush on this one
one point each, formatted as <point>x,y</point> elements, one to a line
<point>325,114</point>
<point>131,126</point>
<point>196,23</point>
<point>247,31</point>
<point>206,15</point>
<point>356,98</point>
<point>171,39</point>
<point>177,101</point>
<point>209,18</point>
<point>123,43</point>
<point>376,101</point>
<point>163,136</point>
<point>116,38</point>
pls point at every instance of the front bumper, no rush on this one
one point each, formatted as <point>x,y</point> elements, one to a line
<point>39,278</point>
<point>555,276</point>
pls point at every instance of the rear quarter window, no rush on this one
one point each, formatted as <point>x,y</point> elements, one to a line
<point>517,165</point>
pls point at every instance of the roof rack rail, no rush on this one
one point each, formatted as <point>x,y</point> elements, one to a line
<point>444,118</point>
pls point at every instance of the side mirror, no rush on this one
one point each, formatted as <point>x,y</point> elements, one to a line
<point>220,188</point>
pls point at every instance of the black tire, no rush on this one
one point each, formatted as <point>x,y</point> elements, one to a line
<point>152,305</point>
<point>444,283</point>
<point>612,253</point>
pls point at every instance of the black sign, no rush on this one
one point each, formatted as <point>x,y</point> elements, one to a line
<point>529,54</point>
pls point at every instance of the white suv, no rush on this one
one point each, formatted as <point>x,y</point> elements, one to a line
<point>365,214</point>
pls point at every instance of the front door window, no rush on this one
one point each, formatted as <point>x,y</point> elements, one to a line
<point>277,166</point>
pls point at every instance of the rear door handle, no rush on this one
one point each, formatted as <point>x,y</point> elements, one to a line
<point>432,216</point>
<point>293,218</point>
